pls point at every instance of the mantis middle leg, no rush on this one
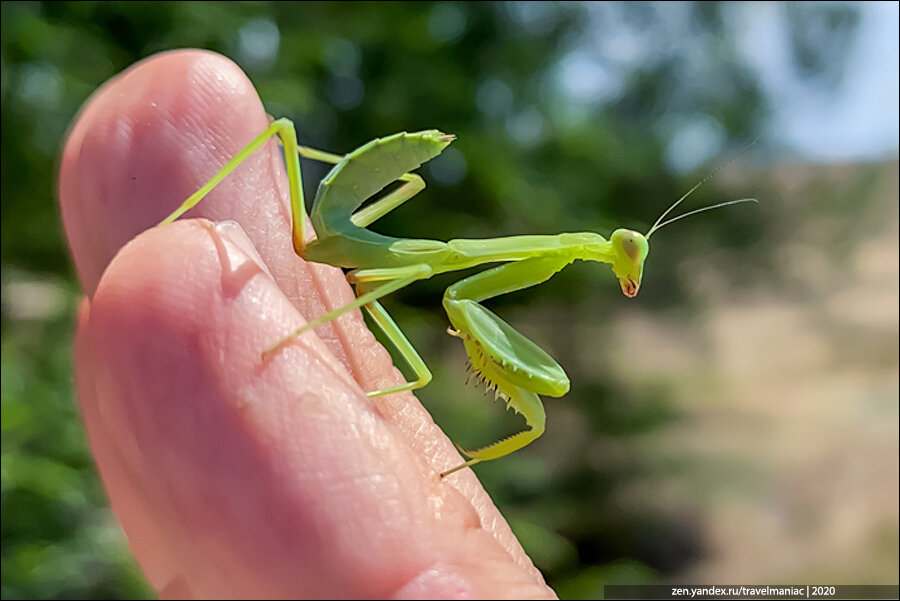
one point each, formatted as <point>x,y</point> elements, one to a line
<point>402,344</point>
<point>284,129</point>
<point>395,279</point>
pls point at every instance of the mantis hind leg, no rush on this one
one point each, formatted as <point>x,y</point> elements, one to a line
<point>529,405</point>
<point>284,129</point>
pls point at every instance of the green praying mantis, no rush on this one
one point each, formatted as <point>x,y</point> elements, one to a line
<point>508,363</point>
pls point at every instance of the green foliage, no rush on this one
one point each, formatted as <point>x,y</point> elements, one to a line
<point>59,539</point>
<point>534,155</point>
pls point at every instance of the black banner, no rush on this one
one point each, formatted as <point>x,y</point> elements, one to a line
<point>748,591</point>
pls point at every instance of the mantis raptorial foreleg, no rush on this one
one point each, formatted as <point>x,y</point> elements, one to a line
<point>530,406</point>
<point>510,364</point>
<point>507,278</point>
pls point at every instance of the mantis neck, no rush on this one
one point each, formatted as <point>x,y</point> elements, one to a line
<point>585,246</point>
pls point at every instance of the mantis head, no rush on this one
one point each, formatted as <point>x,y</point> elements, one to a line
<point>630,248</point>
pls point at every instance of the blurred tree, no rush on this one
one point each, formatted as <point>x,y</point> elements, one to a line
<point>569,116</point>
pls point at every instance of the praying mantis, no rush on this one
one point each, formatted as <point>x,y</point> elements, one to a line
<point>508,363</point>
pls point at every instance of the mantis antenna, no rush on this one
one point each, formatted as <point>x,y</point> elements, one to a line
<point>660,223</point>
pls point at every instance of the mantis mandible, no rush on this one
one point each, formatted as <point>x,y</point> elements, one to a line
<point>507,362</point>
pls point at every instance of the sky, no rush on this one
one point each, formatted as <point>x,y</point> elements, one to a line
<point>860,120</point>
<point>854,120</point>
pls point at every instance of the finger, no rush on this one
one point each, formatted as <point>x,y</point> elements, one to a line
<point>152,136</point>
<point>235,477</point>
<point>155,134</point>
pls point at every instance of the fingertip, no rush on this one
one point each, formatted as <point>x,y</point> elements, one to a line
<point>144,142</point>
<point>153,136</point>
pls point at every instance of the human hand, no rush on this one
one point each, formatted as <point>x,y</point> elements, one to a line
<point>232,476</point>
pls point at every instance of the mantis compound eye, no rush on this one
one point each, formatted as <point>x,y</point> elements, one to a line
<point>632,244</point>
<point>630,247</point>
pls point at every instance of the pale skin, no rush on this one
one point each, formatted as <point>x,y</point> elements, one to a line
<point>508,363</point>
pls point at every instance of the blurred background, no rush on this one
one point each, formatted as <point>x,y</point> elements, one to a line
<point>736,423</point>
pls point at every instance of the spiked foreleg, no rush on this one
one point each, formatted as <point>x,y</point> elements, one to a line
<point>529,405</point>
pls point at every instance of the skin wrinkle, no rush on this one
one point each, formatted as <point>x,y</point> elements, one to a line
<point>155,564</point>
<point>135,417</point>
<point>335,330</point>
<point>87,386</point>
<point>318,360</point>
<point>114,472</point>
<point>88,188</point>
<point>469,506</point>
<point>475,521</point>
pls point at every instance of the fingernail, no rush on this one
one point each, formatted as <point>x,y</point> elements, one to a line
<point>236,247</point>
